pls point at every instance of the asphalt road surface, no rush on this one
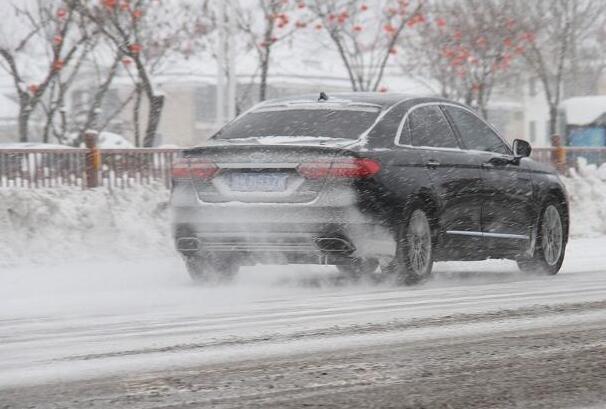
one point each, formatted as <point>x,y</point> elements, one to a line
<point>137,334</point>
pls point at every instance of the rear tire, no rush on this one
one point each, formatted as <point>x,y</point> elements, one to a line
<point>210,269</point>
<point>413,261</point>
<point>359,267</point>
<point>551,243</point>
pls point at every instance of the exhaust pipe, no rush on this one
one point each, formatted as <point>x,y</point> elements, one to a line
<point>334,245</point>
<point>188,244</point>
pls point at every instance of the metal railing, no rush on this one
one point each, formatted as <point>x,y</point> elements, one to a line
<point>126,167</point>
<point>123,168</point>
<point>567,157</point>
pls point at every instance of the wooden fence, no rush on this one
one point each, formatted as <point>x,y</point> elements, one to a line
<point>122,168</point>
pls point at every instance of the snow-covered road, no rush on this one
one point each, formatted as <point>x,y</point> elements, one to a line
<point>101,326</point>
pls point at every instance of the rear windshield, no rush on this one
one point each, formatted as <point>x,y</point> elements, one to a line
<point>327,123</point>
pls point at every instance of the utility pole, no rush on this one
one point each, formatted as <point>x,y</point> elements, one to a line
<point>232,81</point>
<point>226,63</point>
<point>221,63</point>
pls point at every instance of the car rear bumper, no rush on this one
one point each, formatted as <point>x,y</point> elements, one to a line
<point>289,234</point>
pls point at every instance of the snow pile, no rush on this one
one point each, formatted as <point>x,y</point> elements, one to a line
<point>587,193</point>
<point>58,224</point>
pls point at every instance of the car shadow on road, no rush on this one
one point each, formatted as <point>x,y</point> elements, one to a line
<point>441,278</point>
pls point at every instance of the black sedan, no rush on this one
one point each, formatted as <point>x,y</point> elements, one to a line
<point>364,181</point>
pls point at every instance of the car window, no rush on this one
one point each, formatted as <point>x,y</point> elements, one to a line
<point>389,124</point>
<point>475,134</point>
<point>404,136</point>
<point>328,123</point>
<point>428,127</point>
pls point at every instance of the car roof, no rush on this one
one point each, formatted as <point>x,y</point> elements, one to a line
<point>384,100</point>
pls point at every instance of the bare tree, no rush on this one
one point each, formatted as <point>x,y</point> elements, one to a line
<point>271,22</point>
<point>468,47</point>
<point>145,32</point>
<point>365,36</point>
<point>53,36</point>
<point>559,30</point>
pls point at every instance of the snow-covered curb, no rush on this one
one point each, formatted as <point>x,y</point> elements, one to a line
<point>54,225</point>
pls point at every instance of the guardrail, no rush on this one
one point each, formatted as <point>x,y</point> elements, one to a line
<point>122,168</point>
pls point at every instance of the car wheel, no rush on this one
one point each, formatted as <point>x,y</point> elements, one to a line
<point>359,267</point>
<point>210,270</point>
<point>414,254</point>
<point>551,243</point>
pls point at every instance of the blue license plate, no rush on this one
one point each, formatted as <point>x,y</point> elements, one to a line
<point>258,182</point>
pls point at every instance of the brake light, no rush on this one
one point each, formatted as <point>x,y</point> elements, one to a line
<point>203,169</point>
<point>347,168</point>
<point>180,169</point>
<point>196,168</point>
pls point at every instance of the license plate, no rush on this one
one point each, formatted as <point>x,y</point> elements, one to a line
<point>258,182</point>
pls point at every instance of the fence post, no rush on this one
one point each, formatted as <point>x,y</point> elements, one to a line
<point>558,155</point>
<point>93,159</point>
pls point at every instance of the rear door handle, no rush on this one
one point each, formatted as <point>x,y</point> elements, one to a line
<point>432,163</point>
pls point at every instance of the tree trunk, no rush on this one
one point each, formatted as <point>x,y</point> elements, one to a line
<point>24,114</point>
<point>137,114</point>
<point>47,126</point>
<point>264,72</point>
<point>553,119</point>
<point>92,117</point>
<point>156,104</point>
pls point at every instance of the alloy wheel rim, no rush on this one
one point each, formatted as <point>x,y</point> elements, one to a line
<point>419,242</point>
<point>551,238</point>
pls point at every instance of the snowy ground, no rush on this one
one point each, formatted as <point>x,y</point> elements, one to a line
<point>109,333</point>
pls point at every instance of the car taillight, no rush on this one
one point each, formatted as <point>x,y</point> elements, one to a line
<point>180,169</point>
<point>203,169</point>
<point>347,168</point>
<point>196,168</point>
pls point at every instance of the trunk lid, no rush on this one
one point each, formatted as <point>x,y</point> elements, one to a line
<point>259,173</point>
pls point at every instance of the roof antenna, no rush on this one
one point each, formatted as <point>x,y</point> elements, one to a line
<point>323,97</point>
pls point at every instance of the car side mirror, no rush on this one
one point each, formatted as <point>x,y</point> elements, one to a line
<point>521,148</point>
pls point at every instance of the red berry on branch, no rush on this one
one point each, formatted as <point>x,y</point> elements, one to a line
<point>58,65</point>
<point>33,88</point>
<point>110,4</point>
<point>529,37</point>
<point>135,48</point>
<point>61,13</point>
<point>389,28</point>
<point>57,40</point>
